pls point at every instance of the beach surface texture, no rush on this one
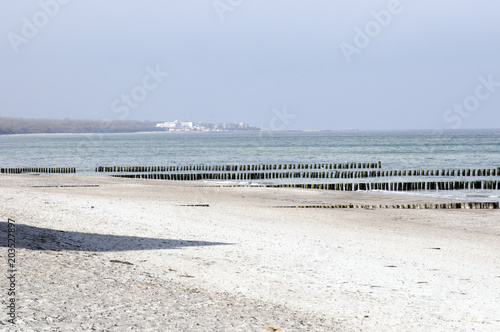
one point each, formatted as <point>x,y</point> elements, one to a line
<point>110,254</point>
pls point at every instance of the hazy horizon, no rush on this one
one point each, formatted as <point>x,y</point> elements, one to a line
<point>386,65</point>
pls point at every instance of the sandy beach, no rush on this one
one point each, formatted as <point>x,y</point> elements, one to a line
<point>95,252</point>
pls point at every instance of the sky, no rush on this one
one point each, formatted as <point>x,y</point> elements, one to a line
<point>275,64</point>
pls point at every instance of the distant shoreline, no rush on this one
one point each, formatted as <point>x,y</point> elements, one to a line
<point>254,131</point>
<point>183,132</point>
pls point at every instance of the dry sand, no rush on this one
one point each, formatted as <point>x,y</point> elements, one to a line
<point>127,254</point>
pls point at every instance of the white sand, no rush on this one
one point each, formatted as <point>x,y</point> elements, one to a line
<point>251,265</point>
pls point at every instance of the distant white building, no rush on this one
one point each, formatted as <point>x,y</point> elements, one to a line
<point>167,124</point>
<point>203,126</point>
<point>175,124</point>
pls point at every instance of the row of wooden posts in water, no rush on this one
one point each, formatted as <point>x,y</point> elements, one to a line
<point>437,172</point>
<point>314,175</point>
<point>234,168</point>
<point>229,172</point>
<point>461,205</point>
<point>55,170</point>
<point>245,175</point>
<point>396,186</point>
<point>389,186</point>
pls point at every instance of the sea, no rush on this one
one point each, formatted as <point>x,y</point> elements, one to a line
<point>396,150</point>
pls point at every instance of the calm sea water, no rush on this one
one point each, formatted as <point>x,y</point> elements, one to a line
<point>397,150</point>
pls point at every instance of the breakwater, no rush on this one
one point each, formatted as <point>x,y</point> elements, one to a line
<point>230,175</point>
<point>50,170</point>
<point>428,206</point>
<point>388,186</point>
<point>332,176</point>
<point>397,186</point>
<point>234,168</point>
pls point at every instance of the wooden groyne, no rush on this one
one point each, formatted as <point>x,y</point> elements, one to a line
<point>397,186</point>
<point>387,186</point>
<point>320,175</point>
<point>55,170</point>
<point>431,206</point>
<point>229,175</point>
<point>423,172</point>
<point>233,168</point>
<point>437,172</point>
<point>285,171</point>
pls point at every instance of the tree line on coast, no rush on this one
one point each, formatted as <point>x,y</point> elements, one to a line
<point>53,126</point>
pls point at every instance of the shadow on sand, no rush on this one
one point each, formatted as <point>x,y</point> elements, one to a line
<point>36,238</point>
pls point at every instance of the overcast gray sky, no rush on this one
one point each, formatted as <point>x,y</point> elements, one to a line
<point>278,64</point>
